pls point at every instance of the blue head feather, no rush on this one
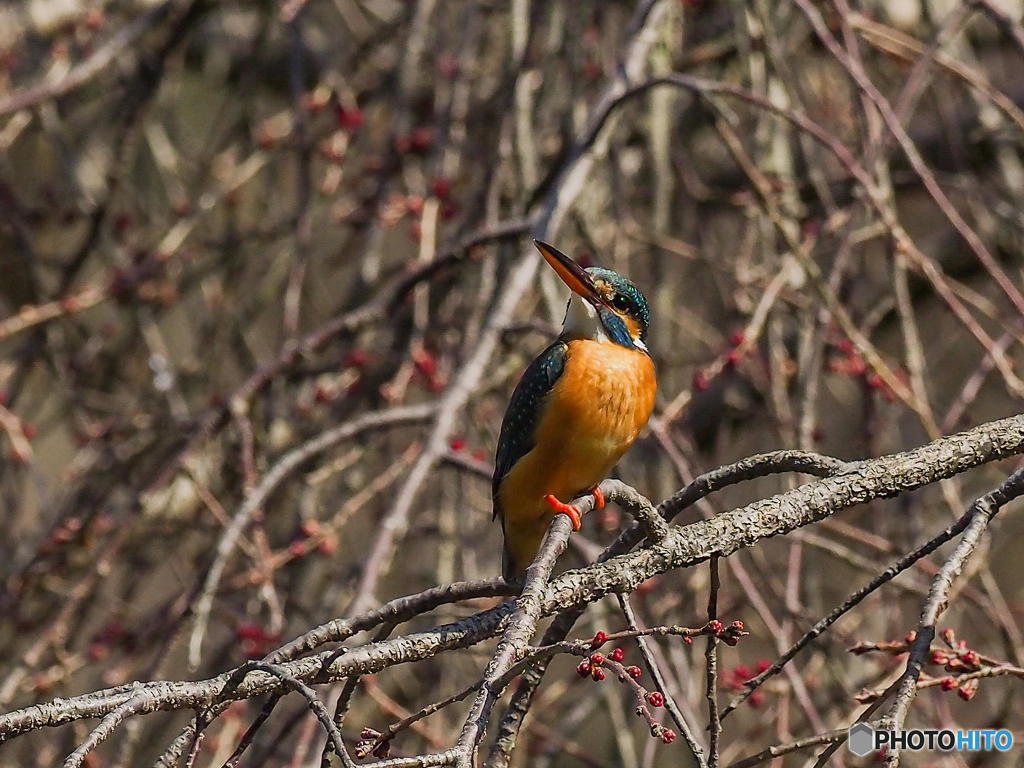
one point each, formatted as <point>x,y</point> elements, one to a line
<point>627,299</point>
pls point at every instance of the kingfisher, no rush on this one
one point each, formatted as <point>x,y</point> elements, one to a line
<point>576,410</point>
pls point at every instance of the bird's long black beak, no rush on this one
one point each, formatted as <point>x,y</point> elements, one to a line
<point>572,274</point>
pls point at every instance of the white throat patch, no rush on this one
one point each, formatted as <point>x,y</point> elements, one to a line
<point>581,320</point>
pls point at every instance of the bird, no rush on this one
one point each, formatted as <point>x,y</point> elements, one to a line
<point>578,407</point>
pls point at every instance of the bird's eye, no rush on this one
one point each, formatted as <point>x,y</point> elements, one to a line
<point>620,302</point>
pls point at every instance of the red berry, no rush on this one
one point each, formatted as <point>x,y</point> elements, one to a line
<point>596,659</point>
<point>597,673</point>
<point>599,639</point>
<point>356,358</point>
<point>634,672</point>
<point>426,363</point>
<point>618,654</point>
<point>583,668</point>
<point>655,698</point>
<point>349,118</point>
<point>249,631</point>
<point>441,188</point>
<point>668,736</point>
<point>421,139</point>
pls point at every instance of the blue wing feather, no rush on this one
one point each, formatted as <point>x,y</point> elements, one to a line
<point>519,426</point>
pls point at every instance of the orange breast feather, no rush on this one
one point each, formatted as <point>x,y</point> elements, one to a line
<point>591,416</point>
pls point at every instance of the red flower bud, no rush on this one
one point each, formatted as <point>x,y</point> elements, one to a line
<point>596,659</point>
<point>737,338</point>
<point>583,669</point>
<point>763,665</point>
<point>599,639</point>
<point>738,625</point>
<point>715,625</point>
<point>655,699</point>
<point>598,674</point>
<point>971,658</point>
<point>939,657</point>
<point>968,690</point>
<point>948,636</point>
<point>668,736</point>
<point>635,672</point>
<point>618,654</point>
<point>948,683</point>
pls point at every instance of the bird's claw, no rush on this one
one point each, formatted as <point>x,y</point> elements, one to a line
<point>565,509</point>
<point>571,511</point>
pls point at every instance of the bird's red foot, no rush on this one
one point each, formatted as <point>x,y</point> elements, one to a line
<point>598,497</point>
<point>565,509</point>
